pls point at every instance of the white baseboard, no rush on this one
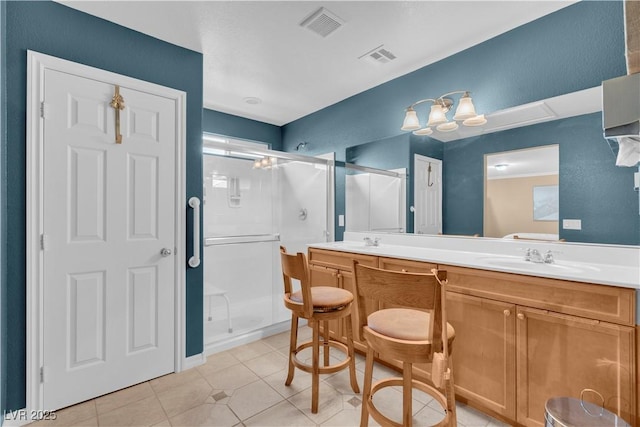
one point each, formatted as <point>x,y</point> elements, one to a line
<point>193,361</point>
<point>219,346</point>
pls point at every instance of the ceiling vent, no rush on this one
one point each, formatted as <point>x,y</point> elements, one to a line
<point>322,22</point>
<point>379,55</point>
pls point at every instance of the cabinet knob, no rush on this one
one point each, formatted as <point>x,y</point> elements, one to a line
<point>521,316</point>
<point>404,270</point>
<point>507,313</point>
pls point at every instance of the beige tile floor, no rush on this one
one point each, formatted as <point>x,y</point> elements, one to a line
<point>244,386</point>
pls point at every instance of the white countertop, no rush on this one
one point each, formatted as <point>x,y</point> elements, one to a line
<point>600,264</point>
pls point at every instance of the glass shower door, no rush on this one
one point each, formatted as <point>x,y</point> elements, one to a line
<point>239,241</point>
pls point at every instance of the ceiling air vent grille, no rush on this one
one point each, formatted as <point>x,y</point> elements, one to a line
<point>379,55</point>
<point>322,22</point>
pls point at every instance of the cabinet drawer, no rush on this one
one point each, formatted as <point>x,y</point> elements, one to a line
<point>406,265</point>
<point>599,302</point>
<point>340,260</point>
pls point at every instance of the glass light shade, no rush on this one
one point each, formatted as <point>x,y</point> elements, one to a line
<point>423,131</point>
<point>257,164</point>
<point>437,115</point>
<point>447,127</point>
<point>478,120</point>
<point>465,109</point>
<point>411,121</point>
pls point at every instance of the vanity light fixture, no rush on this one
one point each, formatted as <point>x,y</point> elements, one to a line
<point>465,113</point>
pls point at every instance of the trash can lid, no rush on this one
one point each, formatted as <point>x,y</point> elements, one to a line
<point>570,412</point>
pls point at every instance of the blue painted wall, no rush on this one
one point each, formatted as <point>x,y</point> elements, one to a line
<point>575,48</point>
<point>240,127</point>
<point>592,188</point>
<point>57,30</point>
<point>3,224</point>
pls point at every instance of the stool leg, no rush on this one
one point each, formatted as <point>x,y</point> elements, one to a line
<point>366,393</point>
<point>293,343</point>
<point>451,396</point>
<point>315,375</point>
<point>352,356</point>
<point>325,341</point>
<point>407,398</point>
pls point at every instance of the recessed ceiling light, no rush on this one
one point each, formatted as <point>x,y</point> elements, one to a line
<point>252,100</point>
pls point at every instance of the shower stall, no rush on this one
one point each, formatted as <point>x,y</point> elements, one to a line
<point>255,200</point>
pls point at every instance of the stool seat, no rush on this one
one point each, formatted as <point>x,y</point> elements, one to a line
<point>325,298</point>
<point>404,324</point>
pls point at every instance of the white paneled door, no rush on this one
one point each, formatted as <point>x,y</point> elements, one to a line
<point>427,195</point>
<point>109,239</point>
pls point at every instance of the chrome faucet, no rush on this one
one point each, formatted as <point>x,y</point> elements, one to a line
<point>548,257</point>
<point>368,241</point>
<point>534,255</point>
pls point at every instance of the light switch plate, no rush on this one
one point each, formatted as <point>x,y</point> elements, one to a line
<point>636,181</point>
<point>572,224</point>
<point>340,220</point>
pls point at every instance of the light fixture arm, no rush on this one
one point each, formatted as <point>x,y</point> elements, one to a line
<point>439,99</point>
<point>422,101</point>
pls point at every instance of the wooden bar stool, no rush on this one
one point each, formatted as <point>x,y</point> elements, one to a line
<point>412,333</point>
<point>316,304</point>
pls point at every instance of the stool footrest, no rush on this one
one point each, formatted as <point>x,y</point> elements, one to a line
<point>322,369</point>
<point>395,382</point>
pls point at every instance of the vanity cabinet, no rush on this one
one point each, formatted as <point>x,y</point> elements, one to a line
<point>521,340</point>
<point>560,355</point>
<point>484,352</point>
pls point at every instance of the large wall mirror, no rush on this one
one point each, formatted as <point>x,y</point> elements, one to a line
<point>577,195</point>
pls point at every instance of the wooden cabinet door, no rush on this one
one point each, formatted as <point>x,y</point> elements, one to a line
<point>483,353</point>
<point>560,355</point>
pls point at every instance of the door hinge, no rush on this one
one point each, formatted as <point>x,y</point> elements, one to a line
<point>44,242</point>
<point>41,374</point>
<point>42,109</point>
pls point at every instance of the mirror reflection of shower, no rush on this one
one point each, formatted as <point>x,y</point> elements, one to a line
<point>375,199</point>
<point>255,200</point>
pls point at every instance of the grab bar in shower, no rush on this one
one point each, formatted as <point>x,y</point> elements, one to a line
<point>248,238</point>
<point>194,203</point>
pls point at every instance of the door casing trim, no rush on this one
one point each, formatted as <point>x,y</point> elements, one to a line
<point>37,63</point>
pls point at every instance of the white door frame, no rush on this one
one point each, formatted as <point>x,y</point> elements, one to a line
<point>37,63</point>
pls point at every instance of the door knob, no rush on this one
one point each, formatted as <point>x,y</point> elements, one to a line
<point>165,252</point>
<point>521,316</point>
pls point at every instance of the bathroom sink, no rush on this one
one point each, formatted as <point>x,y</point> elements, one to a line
<point>521,264</point>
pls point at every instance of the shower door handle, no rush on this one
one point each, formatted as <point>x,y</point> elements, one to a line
<point>194,203</point>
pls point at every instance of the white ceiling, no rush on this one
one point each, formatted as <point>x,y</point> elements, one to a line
<point>258,49</point>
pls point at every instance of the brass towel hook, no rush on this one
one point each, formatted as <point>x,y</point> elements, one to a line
<point>117,102</point>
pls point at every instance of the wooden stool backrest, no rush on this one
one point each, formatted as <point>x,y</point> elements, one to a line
<point>412,290</point>
<point>295,267</point>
